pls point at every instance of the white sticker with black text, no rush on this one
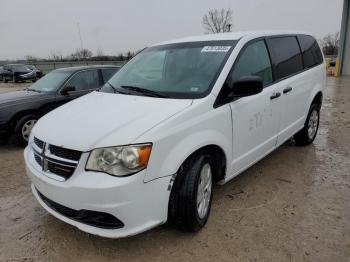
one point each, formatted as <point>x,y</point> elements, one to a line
<point>216,48</point>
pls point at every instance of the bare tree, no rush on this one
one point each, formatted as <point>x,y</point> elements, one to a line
<point>81,54</point>
<point>124,57</point>
<point>217,21</point>
<point>330,44</point>
<point>129,55</point>
<point>84,53</point>
<point>55,56</point>
<point>30,58</point>
<point>120,57</point>
<point>99,52</point>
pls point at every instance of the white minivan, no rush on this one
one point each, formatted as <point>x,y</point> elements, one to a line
<point>177,118</point>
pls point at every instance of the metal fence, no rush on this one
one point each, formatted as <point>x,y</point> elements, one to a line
<point>46,67</point>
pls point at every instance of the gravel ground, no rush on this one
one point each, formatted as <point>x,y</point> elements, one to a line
<point>12,87</point>
<point>291,206</point>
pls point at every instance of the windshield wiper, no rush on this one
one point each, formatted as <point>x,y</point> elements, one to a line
<point>115,90</point>
<point>34,90</point>
<point>144,91</point>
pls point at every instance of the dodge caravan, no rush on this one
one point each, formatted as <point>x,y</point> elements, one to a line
<point>177,118</point>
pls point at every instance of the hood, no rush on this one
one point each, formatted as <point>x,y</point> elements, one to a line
<point>104,119</point>
<point>11,98</point>
<point>22,71</point>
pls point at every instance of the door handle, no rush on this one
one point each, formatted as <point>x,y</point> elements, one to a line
<point>275,95</point>
<point>287,90</point>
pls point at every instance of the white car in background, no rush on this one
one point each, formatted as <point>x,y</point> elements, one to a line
<point>179,117</point>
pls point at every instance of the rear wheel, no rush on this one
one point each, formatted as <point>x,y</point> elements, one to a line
<point>191,196</point>
<point>308,134</point>
<point>4,79</point>
<point>14,79</point>
<point>23,128</point>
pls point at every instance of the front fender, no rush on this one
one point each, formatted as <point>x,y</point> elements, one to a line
<point>178,139</point>
<point>170,163</point>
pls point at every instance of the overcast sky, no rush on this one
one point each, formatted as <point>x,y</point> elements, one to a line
<point>39,27</point>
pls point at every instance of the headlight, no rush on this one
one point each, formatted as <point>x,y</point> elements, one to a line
<point>119,161</point>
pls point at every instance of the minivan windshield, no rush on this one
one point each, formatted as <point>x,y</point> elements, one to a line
<point>180,70</point>
<point>50,82</point>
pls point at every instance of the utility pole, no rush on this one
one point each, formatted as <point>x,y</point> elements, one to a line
<point>81,40</point>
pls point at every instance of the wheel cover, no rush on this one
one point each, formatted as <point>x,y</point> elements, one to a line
<point>204,191</point>
<point>313,124</point>
<point>27,128</point>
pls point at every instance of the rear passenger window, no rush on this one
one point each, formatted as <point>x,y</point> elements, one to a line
<point>108,73</point>
<point>286,56</point>
<point>310,50</point>
<point>84,80</point>
<point>253,61</point>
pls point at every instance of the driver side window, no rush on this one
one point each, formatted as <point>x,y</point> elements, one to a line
<point>253,61</point>
<point>84,80</point>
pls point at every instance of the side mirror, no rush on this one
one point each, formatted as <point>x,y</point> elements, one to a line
<point>247,86</point>
<point>67,89</point>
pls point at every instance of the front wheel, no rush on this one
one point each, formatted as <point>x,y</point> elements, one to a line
<point>308,134</point>
<point>191,196</point>
<point>23,128</point>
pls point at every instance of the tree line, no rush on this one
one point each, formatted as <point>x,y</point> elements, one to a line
<point>82,54</point>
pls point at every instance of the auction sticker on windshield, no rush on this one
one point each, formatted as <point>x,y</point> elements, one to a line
<point>216,48</point>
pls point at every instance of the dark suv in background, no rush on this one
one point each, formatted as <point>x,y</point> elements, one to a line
<point>20,110</point>
<point>17,72</point>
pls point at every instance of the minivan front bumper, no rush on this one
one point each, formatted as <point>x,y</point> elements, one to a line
<point>25,76</point>
<point>139,206</point>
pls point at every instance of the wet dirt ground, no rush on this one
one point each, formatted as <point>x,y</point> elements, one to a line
<point>294,205</point>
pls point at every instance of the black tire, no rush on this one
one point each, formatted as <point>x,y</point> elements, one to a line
<point>14,79</point>
<point>183,209</point>
<point>19,137</point>
<point>4,79</point>
<point>303,137</point>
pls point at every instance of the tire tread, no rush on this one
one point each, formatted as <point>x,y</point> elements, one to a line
<point>183,202</point>
<point>301,138</point>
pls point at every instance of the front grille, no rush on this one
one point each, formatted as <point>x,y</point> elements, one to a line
<point>56,160</point>
<point>88,217</point>
<point>60,170</point>
<point>38,142</point>
<point>37,159</point>
<point>65,153</point>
